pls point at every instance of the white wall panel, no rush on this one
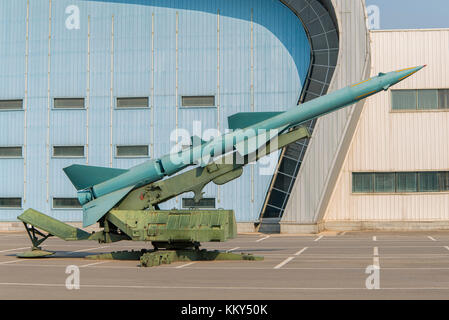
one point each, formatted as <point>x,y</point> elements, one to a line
<point>399,141</point>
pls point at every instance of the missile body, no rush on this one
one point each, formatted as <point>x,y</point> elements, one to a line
<point>170,164</point>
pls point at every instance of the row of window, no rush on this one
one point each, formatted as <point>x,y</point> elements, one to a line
<point>58,203</point>
<point>73,203</point>
<point>122,103</point>
<point>437,99</point>
<point>421,99</point>
<point>78,151</point>
<point>400,182</point>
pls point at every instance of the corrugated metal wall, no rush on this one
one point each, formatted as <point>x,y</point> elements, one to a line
<point>252,55</point>
<point>333,132</point>
<point>388,141</point>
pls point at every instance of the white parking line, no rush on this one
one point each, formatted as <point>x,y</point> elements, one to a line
<point>184,265</point>
<point>376,251</point>
<point>433,239</point>
<point>90,249</point>
<point>447,248</point>
<point>376,262</point>
<point>93,264</point>
<point>283,263</point>
<point>318,239</point>
<point>301,251</point>
<point>14,249</point>
<point>13,261</point>
<point>374,238</point>
<point>233,249</point>
<point>264,238</point>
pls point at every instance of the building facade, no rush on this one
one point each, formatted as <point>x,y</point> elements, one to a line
<point>108,83</point>
<point>396,172</point>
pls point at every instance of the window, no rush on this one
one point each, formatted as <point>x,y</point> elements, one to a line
<point>11,104</point>
<point>406,182</point>
<point>404,99</point>
<point>68,151</point>
<point>132,151</point>
<point>206,203</point>
<point>428,182</point>
<point>11,203</point>
<point>444,181</point>
<point>66,203</point>
<point>10,152</point>
<point>443,99</point>
<point>132,103</point>
<point>362,182</point>
<point>427,99</point>
<point>423,99</point>
<point>198,101</point>
<point>384,182</point>
<point>69,103</point>
<point>400,182</point>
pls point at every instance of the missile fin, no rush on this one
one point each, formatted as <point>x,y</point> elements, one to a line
<point>96,209</point>
<point>83,177</point>
<point>244,120</point>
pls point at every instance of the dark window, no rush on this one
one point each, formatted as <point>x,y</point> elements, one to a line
<point>443,99</point>
<point>404,99</point>
<point>406,182</point>
<point>11,203</point>
<point>132,151</point>
<point>277,198</point>
<point>206,203</point>
<point>428,182</point>
<point>69,103</point>
<point>66,203</point>
<point>362,182</point>
<point>10,152</point>
<point>384,182</point>
<point>68,151</point>
<point>444,181</point>
<point>283,182</point>
<point>288,166</point>
<point>130,103</point>
<point>272,212</point>
<point>11,104</point>
<point>198,101</point>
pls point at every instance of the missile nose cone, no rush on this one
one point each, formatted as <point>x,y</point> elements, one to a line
<point>405,73</point>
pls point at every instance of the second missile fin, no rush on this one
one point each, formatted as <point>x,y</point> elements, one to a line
<point>96,209</point>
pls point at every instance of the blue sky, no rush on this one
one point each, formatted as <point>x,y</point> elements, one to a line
<point>412,14</point>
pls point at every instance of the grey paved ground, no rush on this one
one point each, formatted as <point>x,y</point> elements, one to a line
<point>412,266</point>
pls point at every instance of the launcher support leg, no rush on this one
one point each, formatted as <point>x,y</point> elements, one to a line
<point>36,250</point>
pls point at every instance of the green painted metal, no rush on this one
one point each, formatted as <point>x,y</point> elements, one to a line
<point>156,258</point>
<point>175,226</point>
<point>34,254</point>
<point>52,226</point>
